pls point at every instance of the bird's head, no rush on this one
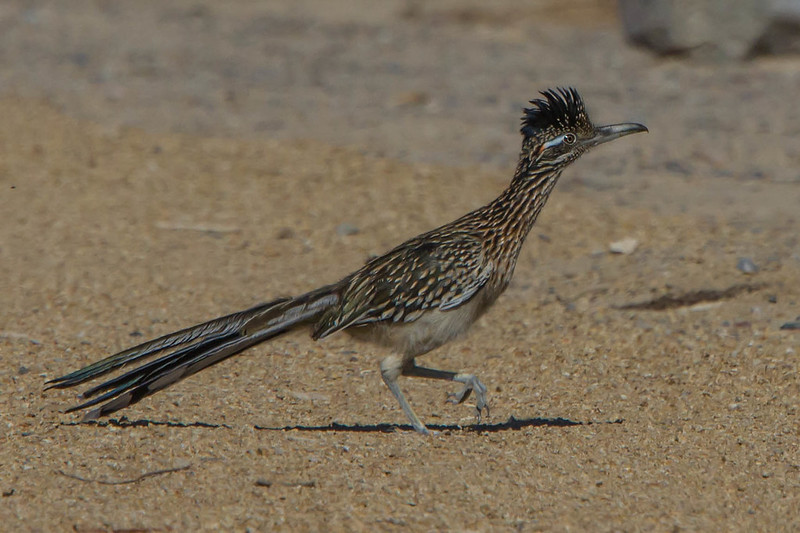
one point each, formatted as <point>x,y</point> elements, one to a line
<point>557,131</point>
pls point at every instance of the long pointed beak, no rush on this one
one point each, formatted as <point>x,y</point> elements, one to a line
<point>603,134</point>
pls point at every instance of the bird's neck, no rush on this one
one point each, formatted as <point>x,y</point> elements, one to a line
<point>515,211</point>
<point>512,215</point>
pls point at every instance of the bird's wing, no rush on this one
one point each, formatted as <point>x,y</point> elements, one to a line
<point>420,275</point>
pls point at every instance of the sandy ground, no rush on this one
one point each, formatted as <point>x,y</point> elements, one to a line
<point>165,163</point>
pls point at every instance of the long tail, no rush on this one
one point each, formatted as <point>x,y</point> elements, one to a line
<point>196,348</point>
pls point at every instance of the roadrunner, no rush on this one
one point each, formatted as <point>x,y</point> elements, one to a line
<point>416,297</point>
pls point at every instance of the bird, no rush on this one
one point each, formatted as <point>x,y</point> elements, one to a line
<point>413,299</point>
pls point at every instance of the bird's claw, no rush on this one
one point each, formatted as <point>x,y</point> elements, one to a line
<point>471,383</point>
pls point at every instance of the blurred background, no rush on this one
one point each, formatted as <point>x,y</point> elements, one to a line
<point>440,82</point>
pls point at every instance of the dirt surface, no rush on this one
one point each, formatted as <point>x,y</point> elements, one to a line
<point>161,164</point>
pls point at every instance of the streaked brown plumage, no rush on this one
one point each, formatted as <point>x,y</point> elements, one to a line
<point>415,298</point>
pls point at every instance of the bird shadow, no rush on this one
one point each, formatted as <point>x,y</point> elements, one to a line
<point>126,423</point>
<point>511,424</point>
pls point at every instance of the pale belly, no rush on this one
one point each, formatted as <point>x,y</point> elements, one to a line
<point>431,330</point>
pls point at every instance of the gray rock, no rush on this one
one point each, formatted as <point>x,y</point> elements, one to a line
<point>713,29</point>
<point>781,34</point>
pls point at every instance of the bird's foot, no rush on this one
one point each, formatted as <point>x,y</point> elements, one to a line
<point>471,384</point>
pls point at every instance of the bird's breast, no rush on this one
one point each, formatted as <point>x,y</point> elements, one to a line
<point>431,330</point>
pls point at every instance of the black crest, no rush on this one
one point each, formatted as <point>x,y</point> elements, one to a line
<point>560,110</point>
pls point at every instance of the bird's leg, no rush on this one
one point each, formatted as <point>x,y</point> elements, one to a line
<point>471,383</point>
<point>391,368</point>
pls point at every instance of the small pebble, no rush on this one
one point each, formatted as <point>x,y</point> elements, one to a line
<point>411,98</point>
<point>746,265</point>
<point>285,233</point>
<point>624,246</point>
<point>346,228</point>
<point>677,167</point>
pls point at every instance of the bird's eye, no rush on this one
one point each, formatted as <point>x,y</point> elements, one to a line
<point>559,142</point>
